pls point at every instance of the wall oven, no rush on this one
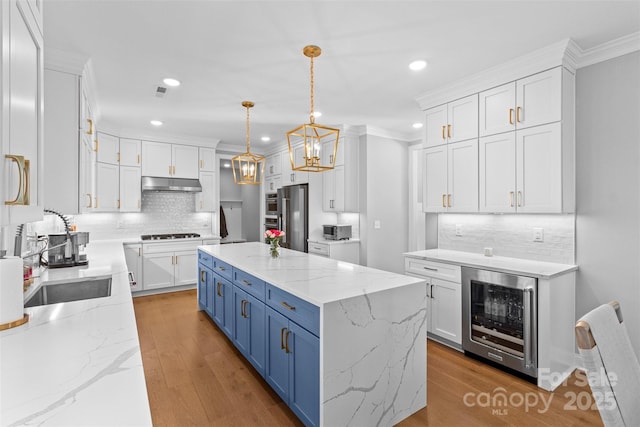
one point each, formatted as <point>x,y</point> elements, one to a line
<point>499,318</point>
<point>271,204</point>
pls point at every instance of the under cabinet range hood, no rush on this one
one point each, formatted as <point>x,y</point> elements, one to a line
<point>155,183</point>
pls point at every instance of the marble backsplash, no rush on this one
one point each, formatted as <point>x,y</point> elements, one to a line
<point>510,235</point>
<point>162,212</point>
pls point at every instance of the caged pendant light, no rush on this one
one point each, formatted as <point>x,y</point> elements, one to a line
<point>248,168</point>
<point>319,144</point>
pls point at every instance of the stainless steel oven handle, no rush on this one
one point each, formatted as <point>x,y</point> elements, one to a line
<point>530,328</point>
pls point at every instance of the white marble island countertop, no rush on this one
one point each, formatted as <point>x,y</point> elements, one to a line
<point>317,280</point>
<point>77,363</point>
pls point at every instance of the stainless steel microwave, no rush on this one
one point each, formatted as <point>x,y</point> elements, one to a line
<point>336,231</point>
<point>271,204</point>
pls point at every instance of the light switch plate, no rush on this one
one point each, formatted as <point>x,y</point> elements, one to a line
<point>458,229</point>
<point>538,234</point>
<point>376,224</point>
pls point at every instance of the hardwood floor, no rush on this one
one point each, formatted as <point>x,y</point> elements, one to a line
<point>195,376</point>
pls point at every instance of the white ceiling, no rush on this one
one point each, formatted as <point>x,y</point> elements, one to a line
<point>225,52</point>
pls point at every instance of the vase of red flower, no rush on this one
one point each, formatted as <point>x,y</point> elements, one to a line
<point>273,236</point>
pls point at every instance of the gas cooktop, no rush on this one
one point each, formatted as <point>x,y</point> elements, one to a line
<point>169,236</point>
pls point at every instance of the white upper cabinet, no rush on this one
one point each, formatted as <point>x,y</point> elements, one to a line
<point>107,188</point>
<point>522,171</point>
<point>206,199</point>
<point>272,165</point>
<point>21,113</point>
<point>130,193</point>
<point>289,176</point>
<point>451,177</point>
<point>531,101</point>
<point>452,122</point>
<point>107,147</point>
<point>340,185</point>
<point>130,153</point>
<point>156,159</point>
<point>207,159</point>
<point>185,161</point>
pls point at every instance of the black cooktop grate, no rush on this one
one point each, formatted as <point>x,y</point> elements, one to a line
<point>170,236</point>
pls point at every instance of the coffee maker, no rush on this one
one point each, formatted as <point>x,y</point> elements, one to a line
<point>67,249</point>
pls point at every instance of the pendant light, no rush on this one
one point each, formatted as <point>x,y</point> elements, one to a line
<point>319,144</point>
<point>248,168</point>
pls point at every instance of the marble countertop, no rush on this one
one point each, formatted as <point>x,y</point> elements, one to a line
<point>315,279</point>
<point>539,269</point>
<point>77,363</point>
<point>333,242</point>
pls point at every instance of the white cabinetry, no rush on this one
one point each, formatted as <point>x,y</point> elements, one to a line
<point>130,152</point>
<point>206,199</point>
<point>130,194</point>
<point>451,177</point>
<point>107,148</point>
<point>207,159</point>
<point>107,188</point>
<point>21,113</point>
<point>522,171</point>
<point>62,150</point>
<point>272,184</point>
<point>340,185</point>
<point>452,122</point>
<point>133,256</point>
<point>527,102</point>
<point>289,176</point>
<point>273,165</point>
<point>185,161</point>
<point>347,251</point>
<point>444,299</point>
<point>169,160</point>
<point>170,264</point>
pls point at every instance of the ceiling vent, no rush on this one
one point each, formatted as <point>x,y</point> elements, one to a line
<point>161,91</point>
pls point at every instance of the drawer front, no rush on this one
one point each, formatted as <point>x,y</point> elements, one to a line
<point>250,284</point>
<point>157,248</point>
<point>303,313</point>
<point>319,249</point>
<point>223,269</point>
<point>439,270</point>
<point>205,259</point>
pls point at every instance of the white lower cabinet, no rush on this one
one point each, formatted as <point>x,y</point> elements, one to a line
<point>444,299</point>
<point>133,256</point>
<point>166,265</point>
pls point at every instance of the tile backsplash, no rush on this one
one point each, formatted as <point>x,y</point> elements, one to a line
<point>162,212</point>
<point>510,235</point>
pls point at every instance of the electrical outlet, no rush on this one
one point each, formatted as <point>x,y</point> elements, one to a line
<point>376,224</point>
<point>538,234</point>
<point>458,229</point>
<point>119,224</point>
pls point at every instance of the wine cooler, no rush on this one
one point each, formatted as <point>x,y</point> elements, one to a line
<point>499,318</point>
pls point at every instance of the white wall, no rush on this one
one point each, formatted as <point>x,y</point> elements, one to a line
<point>386,186</point>
<point>608,188</point>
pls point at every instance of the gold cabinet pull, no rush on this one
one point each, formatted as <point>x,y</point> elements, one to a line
<point>443,137</point>
<point>174,170</point>
<point>286,342</point>
<point>22,199</point>
<point>518,111</point>
<point>510,116</point>
<point>171,259</point>
<point>511,199</point>
<point>118,155</point>
<point>169,169</point>
<point>90,200</point>
<point>287,306</point>
<point>118,203</point>
<point>282,338</point>
<point>139,251</point>
<point>448,200</point>
<point>176,259</point>
<point>138,158</point>
<point>201,164</point>
<point>519,198</point>
<point>448,131</point>
<point>95,148</point>
<point>96,204</point>
<point>90,131</point>
<point>443,203</point>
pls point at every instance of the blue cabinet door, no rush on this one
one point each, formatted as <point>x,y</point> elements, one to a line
<point>210,292</point>
<point>255,310</point>
<point>202,287</point>
<point>223,304</point>
<point>248,328</point>
<point>277,363</point>
<point>304,374</point>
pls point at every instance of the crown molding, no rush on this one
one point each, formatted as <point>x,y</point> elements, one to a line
<point>60,60</point>
<point>609,50</point>
<point>563,53</point>
<point>145,135</point>
<point>383,133</point>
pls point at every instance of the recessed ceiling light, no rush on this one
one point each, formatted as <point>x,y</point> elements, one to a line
<point>418,65</point>
<point>317,114</point>
<point>171,82</point>
<point>156,122</point>
<point>265,139</point>
<point>417,125</point>
<point>227,165</point>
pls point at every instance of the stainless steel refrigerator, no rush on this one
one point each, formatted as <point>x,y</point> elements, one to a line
<point>293,216</point>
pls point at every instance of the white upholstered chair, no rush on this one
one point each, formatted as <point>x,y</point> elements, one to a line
<point>612,366</point>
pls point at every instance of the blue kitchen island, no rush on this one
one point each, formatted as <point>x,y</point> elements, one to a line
<point>341,344</point>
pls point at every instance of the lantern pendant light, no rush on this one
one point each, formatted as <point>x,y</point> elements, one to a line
<point>248,168</point>
<point>318,144</point>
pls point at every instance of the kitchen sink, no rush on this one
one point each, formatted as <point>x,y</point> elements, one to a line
<point>71,291</point>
